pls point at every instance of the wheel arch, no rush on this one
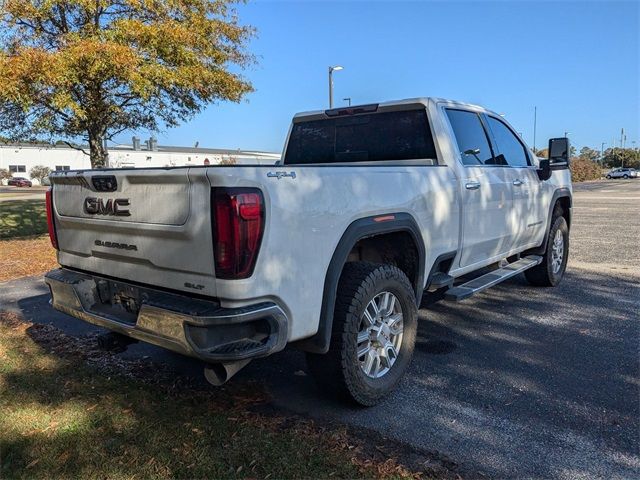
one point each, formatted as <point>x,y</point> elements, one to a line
<point>561,197</point>
<point>363,229</point>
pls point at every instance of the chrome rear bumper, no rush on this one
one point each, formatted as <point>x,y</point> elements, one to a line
<point>191,326</point>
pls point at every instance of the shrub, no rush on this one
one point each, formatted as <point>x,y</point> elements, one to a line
<point>4,175</point>
<point>230,160</point>
<point>39,172</point>
<point>582,170</point>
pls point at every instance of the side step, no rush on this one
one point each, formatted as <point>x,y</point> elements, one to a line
<point>441,280</point>
<point>492,278</point>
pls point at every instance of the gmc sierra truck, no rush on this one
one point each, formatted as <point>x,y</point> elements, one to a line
<point>372,211</point>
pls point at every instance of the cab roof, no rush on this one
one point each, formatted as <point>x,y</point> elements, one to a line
<point>386,106</point>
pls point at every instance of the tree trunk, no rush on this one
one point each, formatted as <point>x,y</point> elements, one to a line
<point>97,151</point>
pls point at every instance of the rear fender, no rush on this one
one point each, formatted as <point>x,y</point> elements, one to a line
<point>358,230</point>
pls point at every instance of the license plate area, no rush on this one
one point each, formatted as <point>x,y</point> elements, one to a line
<point>118,301</point>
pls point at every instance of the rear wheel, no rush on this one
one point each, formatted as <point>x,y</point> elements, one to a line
<point>608,177</point>
<point>373,336</point>
<point>554,262</point>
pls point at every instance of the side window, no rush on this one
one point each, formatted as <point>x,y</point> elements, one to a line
<point>471,137</point>
<point>508,145</point>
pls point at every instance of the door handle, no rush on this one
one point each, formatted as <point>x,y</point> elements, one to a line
<point>517,182</point>
<point>472,185</point>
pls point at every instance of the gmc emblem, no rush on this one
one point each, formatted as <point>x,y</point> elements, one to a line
<point>97,206</point>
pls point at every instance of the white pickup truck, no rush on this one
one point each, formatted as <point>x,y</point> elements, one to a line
<point>373,211</point>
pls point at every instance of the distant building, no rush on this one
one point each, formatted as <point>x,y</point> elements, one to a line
<point>20,158</point>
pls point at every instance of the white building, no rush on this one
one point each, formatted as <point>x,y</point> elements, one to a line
<point>19,159</point>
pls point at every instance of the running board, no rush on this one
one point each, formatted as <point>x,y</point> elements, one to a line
<point>492,278</point>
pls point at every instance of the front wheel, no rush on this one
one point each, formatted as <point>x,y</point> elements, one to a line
<point>554,262</point>
<point>608,177</point>
<point>625,176</point>
<point>373,336</point>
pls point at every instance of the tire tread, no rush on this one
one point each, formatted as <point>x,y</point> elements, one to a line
<point>334,371</point>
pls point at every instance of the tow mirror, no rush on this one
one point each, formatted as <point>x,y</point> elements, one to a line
<point>559,150</point>
<point>544,172</point>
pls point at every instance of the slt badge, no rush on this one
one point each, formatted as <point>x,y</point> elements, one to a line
<point>280,175</point>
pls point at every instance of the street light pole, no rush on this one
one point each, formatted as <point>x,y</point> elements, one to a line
<point>602,152</point>
<point>331,70</point>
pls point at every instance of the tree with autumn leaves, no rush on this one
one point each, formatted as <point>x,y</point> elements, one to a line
<point>91,69</point>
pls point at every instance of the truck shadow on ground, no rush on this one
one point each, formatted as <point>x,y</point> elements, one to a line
<point>503,377</point>
<point>561,361</point>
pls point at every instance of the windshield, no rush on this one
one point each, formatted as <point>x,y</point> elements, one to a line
<point>402,135</point>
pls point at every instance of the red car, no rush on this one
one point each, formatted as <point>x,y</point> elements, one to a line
<point>20,182</point>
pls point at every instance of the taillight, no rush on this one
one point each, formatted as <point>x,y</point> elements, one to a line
<point>50,225</point>
<point>238,224</point>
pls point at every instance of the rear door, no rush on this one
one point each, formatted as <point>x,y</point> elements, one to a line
<point>528,215</point>
<point>487,221</point>
<point>151,226</point>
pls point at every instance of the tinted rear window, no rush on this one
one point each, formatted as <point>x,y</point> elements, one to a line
<point>403,135</point>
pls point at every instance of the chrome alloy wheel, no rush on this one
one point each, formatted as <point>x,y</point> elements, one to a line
<point>557,251</point>
<point>380,335</point>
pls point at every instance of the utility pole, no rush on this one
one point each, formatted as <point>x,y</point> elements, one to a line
<point>602,152</point>
<point>535,121</point>
<point>621,148</point>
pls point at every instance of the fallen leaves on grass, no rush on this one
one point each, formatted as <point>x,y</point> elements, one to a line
<point>137,417</point>
<point>26,256</point>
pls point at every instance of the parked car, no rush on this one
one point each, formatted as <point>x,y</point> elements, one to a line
<point>19,182</point>
<point>373,211</point>
<point>622,173</point>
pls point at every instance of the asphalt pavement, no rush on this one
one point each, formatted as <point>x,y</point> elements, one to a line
<point>514,382</point>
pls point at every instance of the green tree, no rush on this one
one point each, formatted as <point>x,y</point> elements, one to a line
<point>39,172</point>
<point>589,154</point>
<point>90,69</point>
<point>618,157</point>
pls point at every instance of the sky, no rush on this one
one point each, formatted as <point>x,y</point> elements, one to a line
<point>577,62</point>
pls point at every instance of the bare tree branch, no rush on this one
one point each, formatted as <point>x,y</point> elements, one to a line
<point>75,147</point>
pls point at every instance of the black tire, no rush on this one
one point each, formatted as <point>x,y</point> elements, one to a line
<point>338,371</point>
<point>625,176</point>
<point>608,177</point>
<point>543,275</point>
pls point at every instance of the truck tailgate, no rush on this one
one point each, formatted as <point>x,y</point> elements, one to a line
<point>150,226</point>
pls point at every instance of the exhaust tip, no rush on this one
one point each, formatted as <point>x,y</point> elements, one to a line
<point>218,374</point>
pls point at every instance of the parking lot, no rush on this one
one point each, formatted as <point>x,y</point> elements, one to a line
<point>517,381</point>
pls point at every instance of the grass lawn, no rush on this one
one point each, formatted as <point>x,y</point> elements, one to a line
<point>62,418</point>
<point>21,218</point>
<point>26,256</point>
